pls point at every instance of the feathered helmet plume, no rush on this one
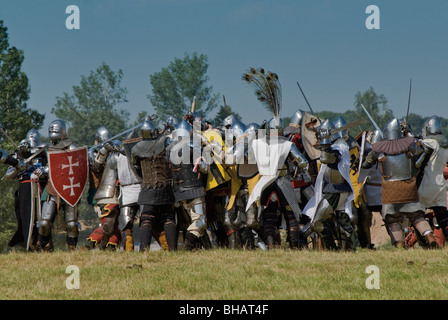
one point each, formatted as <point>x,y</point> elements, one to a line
<point>267,89</point>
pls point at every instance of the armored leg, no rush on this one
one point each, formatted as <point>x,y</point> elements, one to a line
<point>292,228</point>
<point>71,220</point>
<point>270,224</point>
<point>423,227</point>
<point>126,224</point>
<point>48,213</point>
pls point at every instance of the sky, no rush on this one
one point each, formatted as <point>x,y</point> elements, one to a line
<point>322,44</point>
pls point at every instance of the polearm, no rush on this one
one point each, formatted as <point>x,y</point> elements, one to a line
<point>409,99</point>
<point>309,106</point>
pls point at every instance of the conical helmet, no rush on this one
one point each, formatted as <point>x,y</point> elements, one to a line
<point>148,130</point>
<point>392,130</point>
<point>183,129</point>
<point>375,136</point>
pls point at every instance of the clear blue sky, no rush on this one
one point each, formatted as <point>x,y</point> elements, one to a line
<point>323,44</point>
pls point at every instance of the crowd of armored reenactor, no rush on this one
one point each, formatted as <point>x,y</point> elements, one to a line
<point>310,184</point>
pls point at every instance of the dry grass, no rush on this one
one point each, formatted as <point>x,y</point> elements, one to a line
<point>226,275</point>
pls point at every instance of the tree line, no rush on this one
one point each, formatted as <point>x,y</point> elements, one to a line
<point>100,100</point>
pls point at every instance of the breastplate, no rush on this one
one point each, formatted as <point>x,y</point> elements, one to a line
<point>396,167</point>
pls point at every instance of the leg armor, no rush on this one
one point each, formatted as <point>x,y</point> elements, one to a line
<point>270,223</point>
<point>146,222</point>
<point>126,224</point>
<point>292,228</point>
<point>45,223</point>
<point>196,211</point>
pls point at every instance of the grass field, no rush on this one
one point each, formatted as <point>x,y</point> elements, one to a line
<point>223,274</point>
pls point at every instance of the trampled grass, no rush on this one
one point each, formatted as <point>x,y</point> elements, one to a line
<point>223,274</point>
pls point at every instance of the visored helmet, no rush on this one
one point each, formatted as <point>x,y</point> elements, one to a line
<point>102,134</point>
<point>392,130</point>
<point>339,122</point>
<point>324,131</point>
<point>148,130</point>
<point>57,131</point>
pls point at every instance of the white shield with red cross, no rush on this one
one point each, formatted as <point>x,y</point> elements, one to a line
<point>69,171</point>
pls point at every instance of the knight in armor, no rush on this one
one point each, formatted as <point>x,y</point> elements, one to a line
<point>187,170</point>
<point>27,158</point>
<point>275,157</point>
<point>156,196</point>
<point>430,164</point>
<point>370,191</point>
<point>302,182</point>
<point>243,225</point>
<point>105,199</point>
<point>278,160</point>
<point>333,191</point>
<point>400,196</point>
<point>52,203</point>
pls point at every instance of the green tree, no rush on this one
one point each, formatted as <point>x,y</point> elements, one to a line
<point>223,112</point>
<point>94,103</point>
<point>16,119</point>
<point>175,86</point>
<point>376,105</point>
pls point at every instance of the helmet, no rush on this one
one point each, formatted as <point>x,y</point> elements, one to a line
<point>295,122</point>
<point>252,127</point>
<point>392,130</point>
<point>57,131</point>
<point>238,128</point>
<point>227,122</point>
<point>432,126</point>
<point>148,130</point>
<point>172,121</point>
<point>102,134</point>
<point>375,136</point>
<point>24,148</point>
<point>33,137</point>
<point>339,122</point>
<point>182,129</point>
<point>325,127</point>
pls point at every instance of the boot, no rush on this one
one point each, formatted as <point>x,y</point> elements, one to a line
<point>44,244</point>
<point>432,243</point>
<point>129,243</point>
<point>171,235</point>
<point>71,243</point>
<point>190,241</point>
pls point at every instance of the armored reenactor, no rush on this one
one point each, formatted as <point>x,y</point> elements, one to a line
<point>430,180</point>
<point>400,196</point>
<point>52,202</point>
<point>331,206</point>
<point>156,196</point>
<point>27,158</point>
<point>188,170</point>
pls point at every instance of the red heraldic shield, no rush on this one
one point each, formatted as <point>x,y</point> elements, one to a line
<point>69,171</point>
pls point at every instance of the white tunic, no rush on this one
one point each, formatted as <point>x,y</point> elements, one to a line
<point>432,190</point>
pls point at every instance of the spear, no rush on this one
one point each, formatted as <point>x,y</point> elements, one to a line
<point>409,99</point>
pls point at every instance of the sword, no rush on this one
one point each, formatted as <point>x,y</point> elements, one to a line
<point>371,119</point>
<point>409,99</point>
<point>305,98</point>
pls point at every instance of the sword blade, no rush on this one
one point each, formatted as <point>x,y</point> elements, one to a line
<point>371,120</point>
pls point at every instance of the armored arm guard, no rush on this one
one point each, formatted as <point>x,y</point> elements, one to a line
<point>370,160</point>
<point>298,157</point>
<point>424,155</point>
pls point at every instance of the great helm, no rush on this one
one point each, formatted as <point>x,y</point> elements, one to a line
<point>339,122</point>
<point>102,134</point>
<point>148,130</point>
<point>432,126</point>
<point>183,129</point>
<point>392,130</point>
<point>57,131</point>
